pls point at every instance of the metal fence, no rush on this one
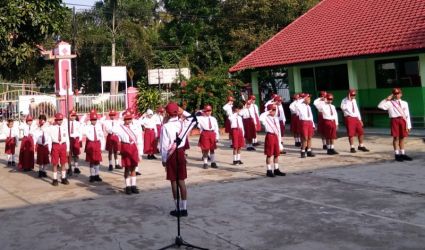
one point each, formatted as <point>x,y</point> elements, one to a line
<point>102,103</point>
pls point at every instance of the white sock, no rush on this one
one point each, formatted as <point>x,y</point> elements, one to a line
<point>269,167</point>
<point>249,145</point>
<point>110,162</point>
<point>92,171</point>
<point>254,140</point>
<point>332,146</point>
<point>76,164</point>
<point>116,162</point>
<point>13,158</point>
<point>41,167</point>
<point>55,175</point>
<point>127,182</point>
<point>212,156</point>
<point>324,141</point>
<point>402,151</point>
<point>9,158</point>
<point>133,180</point>
<point>276,166</point>
<point>328,146</point>
<point>137,169</point>
<point>302,150</point>
<point>63,174</point>
<point>96,170</point>
<point>235,157</point>
<point>361,145</point>
<point>183,205</point>
<point>396,151</point>
<point>352,146</point>
<point>205,160</point>
<point>308,149</point>
<point>238,157</point>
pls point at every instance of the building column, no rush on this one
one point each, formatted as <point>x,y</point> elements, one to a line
<point>352,76</point>
<point>254,86</point>
<point>422,69</point>
<point>297,86</point>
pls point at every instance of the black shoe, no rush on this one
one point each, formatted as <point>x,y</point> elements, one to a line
<point>138,173</point>
<point>278,173</point>
<point>55,183</point>
<point>325,147</point>
<point>183,213</point>
<point>352,150</point>
<point>118,167</point>
<point>231,146</point>
<point>128,190</point>
<point>269,173</point>
<point>214,165</point>
<point>235,162</point>
<point>134,190</point>
<point>298,144</point>
<point>153,157</point>
<point>97,178</point>
<point>302,154</point>
<point>398,158</point>
<point>334,152</point>
<point>13,164</point>
<point>205,166</point>
<point>77,171</point>
<point>240,162</point>
<point>310,154</point>
<point>40,174</point>
<point>256,144</point>
<point>44,174</point>
<point>9,163</point>
<point>175,213</point>
<point>283,152</point>
<point>250,149</point>
<point>364,149</point>
<point>69,172</point>
<point>406,158</point>
<point>92,179</point>
<point>65,181</point>
<point>111,168</point>
<point>329,152</point>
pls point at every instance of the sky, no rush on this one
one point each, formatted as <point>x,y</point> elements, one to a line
<point>79,4</point>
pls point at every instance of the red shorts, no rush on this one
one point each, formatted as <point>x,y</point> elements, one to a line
<point>249,126</point>
<point>75,146</point>
<point>307,129</point>
<point>112,143</point>
<point>93,152</point>
<point>271,145</point>
<point>10,146</point>
<point>26,153</point>
<point>207,140</point>
<point>42,154</point>
<point>172,165</point>
<point>282,128</point>
<point>320,123</point>
<point>237,139</point>
<point>129,155</point>
<point>149,142</point>
<point>354,126</point>
<point>59,154</point>
<point>294,124</point>
<point>329,129</point>
<point>399,127</point>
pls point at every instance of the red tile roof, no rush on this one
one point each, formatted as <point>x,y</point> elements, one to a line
<point>343,29</point>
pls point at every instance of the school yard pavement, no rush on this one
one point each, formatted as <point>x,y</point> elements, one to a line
<point>349,201</point>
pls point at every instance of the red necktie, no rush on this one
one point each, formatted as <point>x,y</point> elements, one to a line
<point>278,111</point>
<point>72,127</point>
<point>209,122</point>
<point>352,103</point>
<point>59,135</point>
<point>237,122</point>
<point>94,131</point>
<point>330,107</point>
<point>42,138</point>
<point>10,133</point>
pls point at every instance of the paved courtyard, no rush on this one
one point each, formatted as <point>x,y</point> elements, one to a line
<point>349,201</point>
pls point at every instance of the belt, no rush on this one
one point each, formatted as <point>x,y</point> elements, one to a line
<point>93,141</point>
<point>127,143</point>
<point>58,143</point>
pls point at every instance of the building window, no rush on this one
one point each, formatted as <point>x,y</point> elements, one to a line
<point>403,72</point>
<point>334,77</point>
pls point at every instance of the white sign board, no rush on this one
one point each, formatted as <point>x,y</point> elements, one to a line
<point>25,101</point>
<point>114,73</point>
<point>166,76</point>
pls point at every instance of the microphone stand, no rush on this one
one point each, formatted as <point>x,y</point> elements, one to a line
<point>179,240</point>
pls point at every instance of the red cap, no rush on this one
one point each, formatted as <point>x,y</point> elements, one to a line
<point>29,118</point>
<point>128,115</point>
<point>307,95</point>
<point>302,95</point>
<point>396,91</point>
<point>352,92</point>
<point>93,111</point>
<point>160,109</point>
<point>112,113</point>
<point>207,108</point>
<point>172,108</point>
<point>230,99</point>
<point>296,96</point>
<point>271,106</point>
<point>252,97</point>
<point>278,98</point>
<point>274,95</point>
<point>249,102</point>
<point>73,113</point>
<point>329,96</point>
<point>93,116</point>
<point>58,116</point>
<point>323,93</point>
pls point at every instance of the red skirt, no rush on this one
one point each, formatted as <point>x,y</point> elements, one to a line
<point>294,124</point>
<point>282,128</point>
<point>227,125</point>
<point>26,153</point>
<point>307,130</point>
<point>258,124</point>
<point>112,143</point>
<point>129,155</point>
<point>207,140</point>
<point>172,165</point>
<point>149,142</point>
<point>398,127</point>
<point>10,146</point>
<point>354,126</point>
<point>59,154</point>
<point>237,139</point>
<point>320,123</point>
<point>186,144</point>
<point>329,129</point>
<point>75,146</point>
<point>249,126</point>
<point>93,152</point>
<point>42,155</point>
<point>271,145</point>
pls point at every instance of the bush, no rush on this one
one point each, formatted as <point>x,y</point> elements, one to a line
<point>149,97</point>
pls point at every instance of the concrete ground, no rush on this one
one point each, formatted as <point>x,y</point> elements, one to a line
<point>349,201</point>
